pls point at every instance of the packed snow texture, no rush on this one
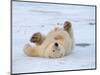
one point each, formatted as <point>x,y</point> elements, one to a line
<point>28,18</point>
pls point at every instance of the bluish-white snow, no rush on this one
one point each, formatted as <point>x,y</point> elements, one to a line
<point>28,18</point>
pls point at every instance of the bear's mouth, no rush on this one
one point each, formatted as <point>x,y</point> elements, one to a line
<point>58,56</point>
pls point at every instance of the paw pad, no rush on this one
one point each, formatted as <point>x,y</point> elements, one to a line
<point>36,37</point>
<point>67,25</point>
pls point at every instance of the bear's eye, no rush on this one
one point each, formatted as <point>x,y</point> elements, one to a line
<point>53,50</point>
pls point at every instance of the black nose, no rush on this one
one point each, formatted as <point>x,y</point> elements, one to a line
<point>56,44</point>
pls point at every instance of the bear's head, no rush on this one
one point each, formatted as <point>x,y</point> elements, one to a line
<point>55,50</point>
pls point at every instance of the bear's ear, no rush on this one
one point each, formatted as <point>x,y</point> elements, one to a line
<point>67,25</point>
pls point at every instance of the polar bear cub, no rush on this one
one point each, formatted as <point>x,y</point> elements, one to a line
<point>58,43</point>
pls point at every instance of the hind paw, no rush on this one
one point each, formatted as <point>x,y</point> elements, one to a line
<point>67,25</point>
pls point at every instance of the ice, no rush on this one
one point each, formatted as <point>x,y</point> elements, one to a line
<point>28,18</point>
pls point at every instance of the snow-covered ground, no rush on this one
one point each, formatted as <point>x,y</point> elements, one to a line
<point>28,18</point>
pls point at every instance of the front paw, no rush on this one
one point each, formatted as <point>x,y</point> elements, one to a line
<point>36,37</point>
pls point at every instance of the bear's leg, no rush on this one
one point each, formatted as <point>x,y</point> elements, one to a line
<point>30,51</point>
<point>37,38</point>
<point>68,27</point>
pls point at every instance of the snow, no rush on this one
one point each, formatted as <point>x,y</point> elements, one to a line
<point>28,18</point>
